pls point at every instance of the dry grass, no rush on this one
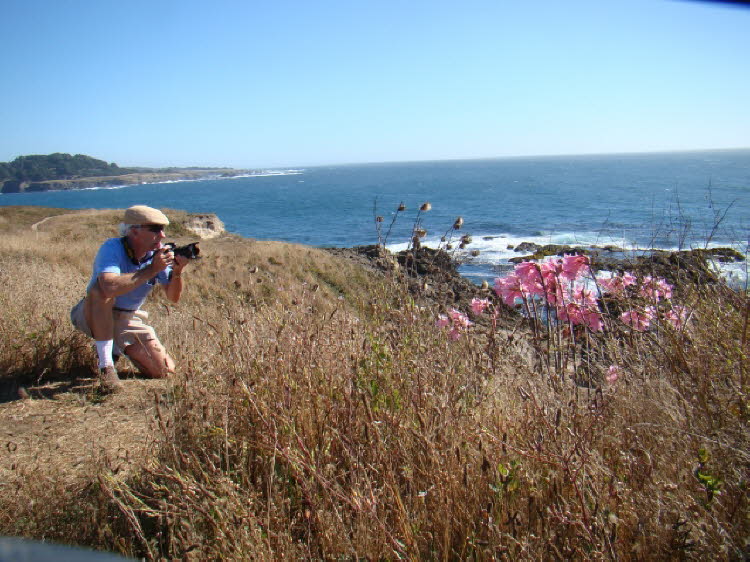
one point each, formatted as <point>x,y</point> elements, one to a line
<point>318,414</point>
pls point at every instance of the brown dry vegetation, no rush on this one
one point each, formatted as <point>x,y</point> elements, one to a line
<point>318,414</point>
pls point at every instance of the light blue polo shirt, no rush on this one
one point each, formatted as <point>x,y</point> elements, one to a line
<point>113,258</point>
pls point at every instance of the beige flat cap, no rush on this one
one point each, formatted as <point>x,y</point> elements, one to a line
<point>140,214</point>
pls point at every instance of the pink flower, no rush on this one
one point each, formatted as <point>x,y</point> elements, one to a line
<point>530,278</point>
<point>677,317</point>
<point>616,284</point>
<point>580,307</point>
<point>656,289</point>
<point>509,289</point>
<point>664,288</point>
<point>574,266</point>
<point>584,296</point>
<point>612,285</point>
<point>554,292</point>
<point>639,321</point>
<point>607,284</point>
<point>648,288</point>
<point>551,268</point>
<point>460,320</point>
<point>613,373</point>
<point>569,313</point>
<point>577,315</point>
<point>593,320</point>
<point>631,318</point>
<point>479,305</point>
<point>456,320</point>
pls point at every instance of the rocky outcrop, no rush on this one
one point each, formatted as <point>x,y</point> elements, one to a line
<point>431,275</point>
<point>527,247</point>
<point>205,226</point>
<point>678,268</point>
<point>13,186</point>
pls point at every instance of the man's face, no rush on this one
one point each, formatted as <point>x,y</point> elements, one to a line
<point>148,236</point>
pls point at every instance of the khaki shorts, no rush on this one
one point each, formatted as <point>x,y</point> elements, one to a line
<point>130,327</point>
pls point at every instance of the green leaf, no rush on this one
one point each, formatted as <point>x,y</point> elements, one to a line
<point>703,456</point>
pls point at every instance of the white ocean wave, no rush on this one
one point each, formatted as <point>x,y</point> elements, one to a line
<point>99,188</point>
<point>495,251</point>
<point>495,248</point>
<point>257,174</point>
<point>266,173</point>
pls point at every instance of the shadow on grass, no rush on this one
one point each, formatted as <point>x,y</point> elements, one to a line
<point>81,380</point>
<point>19,386</point>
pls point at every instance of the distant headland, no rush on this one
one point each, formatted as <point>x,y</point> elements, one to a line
<point>61,171</point>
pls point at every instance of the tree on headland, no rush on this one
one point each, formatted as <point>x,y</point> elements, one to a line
<point>57,166</point>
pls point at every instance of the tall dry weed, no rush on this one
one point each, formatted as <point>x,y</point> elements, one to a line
<point>376,439</point>
<point>39,285</point>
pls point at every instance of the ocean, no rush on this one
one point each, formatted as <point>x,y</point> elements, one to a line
<point>634,201</point>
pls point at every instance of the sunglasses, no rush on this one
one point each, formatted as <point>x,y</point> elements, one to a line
<point>153,227</point>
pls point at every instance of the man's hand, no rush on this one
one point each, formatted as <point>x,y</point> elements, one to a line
<point>180,262</point>
<point>163,258</point>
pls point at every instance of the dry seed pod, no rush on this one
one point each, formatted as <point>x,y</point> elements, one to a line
<point>475,253</point>
<point>425,206</point>
<point>421,232</point>
<point>378,219</point>
<point>402,207</point>
<point>458,224</point>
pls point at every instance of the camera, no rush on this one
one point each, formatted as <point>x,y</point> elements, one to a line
<point>189,251</point>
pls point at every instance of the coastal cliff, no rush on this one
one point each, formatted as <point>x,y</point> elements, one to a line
<point>61,171</point>
<point>19,186</point>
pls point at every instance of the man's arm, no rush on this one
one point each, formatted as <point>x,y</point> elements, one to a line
<point>173,289</point>
<point>116,284</point>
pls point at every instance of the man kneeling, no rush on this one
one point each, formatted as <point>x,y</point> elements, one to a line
<point>124,272</point>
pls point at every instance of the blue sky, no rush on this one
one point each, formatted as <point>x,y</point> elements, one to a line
<point>296,83</point>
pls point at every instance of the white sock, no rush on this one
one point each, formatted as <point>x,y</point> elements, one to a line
<point>104,349</point>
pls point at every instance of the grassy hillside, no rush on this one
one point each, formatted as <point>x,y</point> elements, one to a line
<point>319,413</point>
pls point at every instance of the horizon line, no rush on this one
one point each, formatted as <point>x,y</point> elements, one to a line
<point>429,160</point>
<point>520,156</point>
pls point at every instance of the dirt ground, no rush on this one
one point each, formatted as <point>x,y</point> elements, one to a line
<point>68,428</point>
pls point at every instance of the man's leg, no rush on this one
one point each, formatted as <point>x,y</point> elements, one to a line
<point>98,312</point>
<point>151,358</point>
<point>97,322</point>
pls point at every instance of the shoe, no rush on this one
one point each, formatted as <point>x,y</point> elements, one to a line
<point>108,379</point>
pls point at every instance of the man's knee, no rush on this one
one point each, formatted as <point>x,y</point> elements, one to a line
<point>97,309</point>
<point>151,360</point>
<point>97,298</point>
<point>161,368</point>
